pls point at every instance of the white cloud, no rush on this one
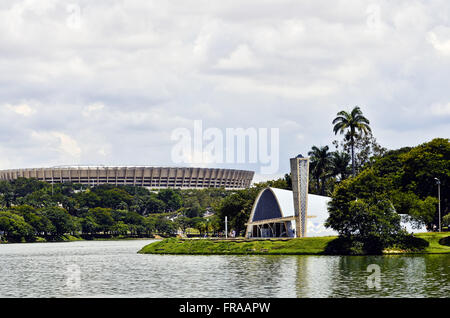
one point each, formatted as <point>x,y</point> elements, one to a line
<point>65,145</point>
<point>22,109</point>
<point>440,109</point>
<point>112,90</point>
<point>241,58</point>
<point>92,109</point>
<point>440,39</point>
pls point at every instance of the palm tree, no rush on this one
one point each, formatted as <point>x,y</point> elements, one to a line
<point>320,166</point>
<point>340,162</point>
<point>351,123</point>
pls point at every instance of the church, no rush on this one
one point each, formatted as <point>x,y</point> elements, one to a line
<point>296,213</point>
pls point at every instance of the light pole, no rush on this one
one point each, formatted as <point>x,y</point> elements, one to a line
<point>226,227</point>
<point>438,182</point>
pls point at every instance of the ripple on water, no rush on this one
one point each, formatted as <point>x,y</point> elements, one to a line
<point>114,269</point>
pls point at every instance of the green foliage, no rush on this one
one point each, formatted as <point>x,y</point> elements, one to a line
<point>446,220</point>
<point>165,226</point>
<point>103,218</point>
<point>357,246</point>
<point>171,198</point>
<point>355,125</point>
<point>151,204</point>
<point>411,173</point>
<point>361,212</point>
<point>320,165</point>
<point>237,208</point>
<point>445,241</point>
<point>61,220</point>
<point>89,225</point>
<point>14,228</point>
<point>120,228</point>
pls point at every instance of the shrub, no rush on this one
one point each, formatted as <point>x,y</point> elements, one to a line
<point>445,241</point>
<point>411,243</point>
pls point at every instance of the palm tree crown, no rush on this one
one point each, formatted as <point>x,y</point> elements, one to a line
<point>340,163</point>
<point>352,123</point>
<point>320,166</point>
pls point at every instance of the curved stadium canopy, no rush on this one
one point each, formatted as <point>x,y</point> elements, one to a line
<point>151,177</point>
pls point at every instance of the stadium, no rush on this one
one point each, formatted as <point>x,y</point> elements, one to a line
<point>149,177</point>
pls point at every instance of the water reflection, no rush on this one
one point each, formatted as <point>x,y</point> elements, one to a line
<point>114,269</point>
<point>400,276</point>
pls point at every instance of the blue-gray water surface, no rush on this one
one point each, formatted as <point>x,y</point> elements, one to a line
<point>114,269</point>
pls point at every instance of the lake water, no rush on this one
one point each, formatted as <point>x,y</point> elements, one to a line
<point>114,269</point>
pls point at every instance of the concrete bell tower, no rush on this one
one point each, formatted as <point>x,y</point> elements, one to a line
<point>300,180</point>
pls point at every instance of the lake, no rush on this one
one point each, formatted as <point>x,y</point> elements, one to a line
<point>114,269</point>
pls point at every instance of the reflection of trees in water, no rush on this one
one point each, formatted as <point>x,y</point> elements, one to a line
<point>315,275</point>
<point>335,276</point>
<point>260,276</point>
<point>431,274</point>
<point>346,276</point>
<point>437,266</point>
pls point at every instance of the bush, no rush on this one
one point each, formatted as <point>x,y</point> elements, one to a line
<point>445,241</point>
<point>353,246</point>
<point>411,243</point>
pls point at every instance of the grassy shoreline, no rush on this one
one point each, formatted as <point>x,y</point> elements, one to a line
<point>298,246</point>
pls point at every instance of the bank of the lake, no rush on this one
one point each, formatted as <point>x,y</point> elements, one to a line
<point>298,246</point>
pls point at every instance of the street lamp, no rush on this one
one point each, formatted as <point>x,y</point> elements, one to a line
<point>438,182</point>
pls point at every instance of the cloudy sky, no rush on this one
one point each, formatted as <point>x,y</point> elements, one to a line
<point>107,82</point>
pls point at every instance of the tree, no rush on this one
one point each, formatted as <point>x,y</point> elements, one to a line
<point>24,186</point>
<point>411,172</point>
<point>171,198</point>
<point>120,228</point>
<point>103,218</point>
<point>183,223</point>
<point>446,221</point>
<point>320,162</point>
<point>165,226</point>
<point>6,192</point>
<point>89,226</point>
<point>288,179</point>
<point>237,208</point>
<point>361,210</point>
<point>340,162</point>
<point>60,218</point>
<point>192,208</point>
<point>149,225</point>
<point>114,198</point>
<point>200,224</point>
<point>40,223</point>
<point>38,199</point>
<point>153,205</point>
<point>14,227</point>
<point>352,124</point>
<point>88,199</point>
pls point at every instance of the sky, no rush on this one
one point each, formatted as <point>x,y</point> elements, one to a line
<point>108,82</point>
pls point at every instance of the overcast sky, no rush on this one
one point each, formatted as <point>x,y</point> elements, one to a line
<point>107,82</point>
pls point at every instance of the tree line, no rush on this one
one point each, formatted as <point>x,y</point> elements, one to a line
<point>32,209</point>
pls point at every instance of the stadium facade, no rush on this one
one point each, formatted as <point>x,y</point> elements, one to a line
<point>149,177</point>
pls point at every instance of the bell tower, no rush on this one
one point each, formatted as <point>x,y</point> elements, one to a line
<point>300,180</point>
